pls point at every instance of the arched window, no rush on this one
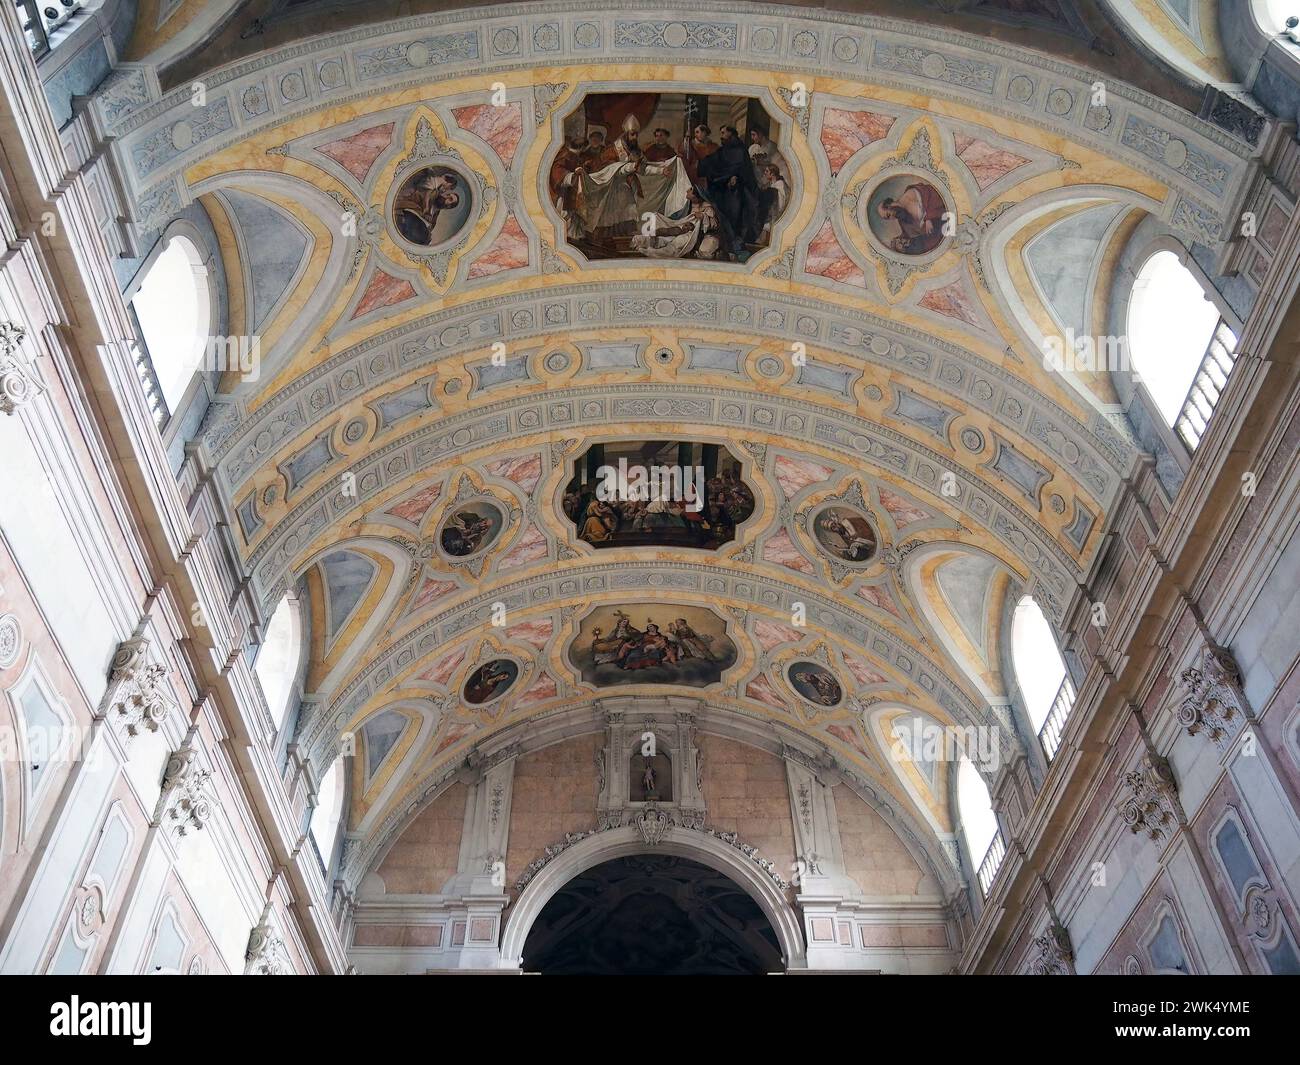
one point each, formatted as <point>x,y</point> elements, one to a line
<point>1180,346</point>
<point>327,817</point>
<point>1040,673</point>
<point>277,659</point>
<point>1039,667</point>
<point>978,823</point>
<point>174,309</point>
<point>1276,12</point>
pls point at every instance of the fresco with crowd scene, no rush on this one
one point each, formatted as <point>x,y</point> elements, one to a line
<point>646,175</point>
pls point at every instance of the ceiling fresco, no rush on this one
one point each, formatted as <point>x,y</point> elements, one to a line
<point>490,253</point>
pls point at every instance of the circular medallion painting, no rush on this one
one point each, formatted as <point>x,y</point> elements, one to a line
<point>845,533</point>
<point>906,214</point>
<point>470,529</point>
<point>432,205</point>
<point>815,683</point>
<point>490,681</point>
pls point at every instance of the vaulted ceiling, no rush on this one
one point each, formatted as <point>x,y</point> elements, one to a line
<point>401,386</point>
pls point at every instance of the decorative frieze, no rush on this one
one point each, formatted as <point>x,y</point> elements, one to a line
<point>1148,802</point>
<point>653,824</point>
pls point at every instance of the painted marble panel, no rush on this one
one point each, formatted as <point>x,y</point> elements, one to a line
<point>357,154</point>
<point>844,133</point>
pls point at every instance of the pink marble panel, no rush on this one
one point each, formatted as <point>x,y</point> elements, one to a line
<point>878,597</point>
<point>440,672</point>
<point>384,290</point>
<point>769,634</point>
<point>901,510</point>
<point>357,154</point>
<point>431,591</point>
<point>508,252</point>
<point>529,549</point>
<point>524,471</point>
<point>413,508</point>
<point>535,632</point>
<point>953,301</point>
<point>986,163</point>
<point>539,691</point>
<point>502,127</point>
<point>846,132</point>
<point>864,671</point>
<point>827,258</point>
<point>760,688</point>
<point>781,550</point>
<point>793,475</point>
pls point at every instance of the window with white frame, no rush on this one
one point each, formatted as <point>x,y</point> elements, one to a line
<point>174,309</point>
<point>1180,345</point>
<point>978,822</point>
<point>327,817</point>
<point>278,658</point>
<point>1045,686</point>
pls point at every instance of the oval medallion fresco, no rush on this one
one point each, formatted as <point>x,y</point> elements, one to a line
<point>815,683</point>
<point>471,529</point>
<point>432,206</point>
<point>905,214</point>
<point>490,681</point>
<point>846,534</point>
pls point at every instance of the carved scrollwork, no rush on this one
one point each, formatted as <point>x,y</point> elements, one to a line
<point>18,385</point>
<point>653,824</point>
<point>266,954</point>
<point>137,700</point>
<point>1148,805</point>
<point>1051,954</point>
<point>186,803</point>
<point>1214,705</point>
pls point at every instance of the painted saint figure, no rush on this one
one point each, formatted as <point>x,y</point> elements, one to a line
<point>918,214</point>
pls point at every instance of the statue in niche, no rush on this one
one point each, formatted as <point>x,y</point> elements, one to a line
<point>650,779</point>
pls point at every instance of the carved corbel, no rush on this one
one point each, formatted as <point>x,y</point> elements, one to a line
<point>1214,706</point>
<point>186,803</point>
<point>1052,954</point>
<point>1149,803</point>
<point>137,699</point>
<point>266,954</point>
<point>18,384</point>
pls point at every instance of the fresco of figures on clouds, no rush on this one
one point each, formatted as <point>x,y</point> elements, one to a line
<point>652,643</point>
<point>694,495</point>
<point>669,176</point>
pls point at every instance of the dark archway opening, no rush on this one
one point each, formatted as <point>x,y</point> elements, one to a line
<point>651,915</point>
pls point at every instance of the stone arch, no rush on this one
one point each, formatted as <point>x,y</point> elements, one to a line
<point>683,843</point>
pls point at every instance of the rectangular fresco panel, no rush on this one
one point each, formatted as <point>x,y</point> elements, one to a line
<point>652,643</point>
<point>688,495</point>
<point>669,176</point>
